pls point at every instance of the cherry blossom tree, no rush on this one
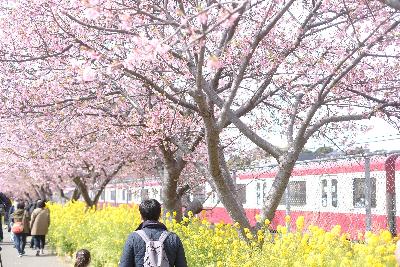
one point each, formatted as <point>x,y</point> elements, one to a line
<point>300,69</point>
<point>142,116</point>
<point>55,155</point>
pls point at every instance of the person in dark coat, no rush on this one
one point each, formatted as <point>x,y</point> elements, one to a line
<point>21,215</point>
<point>32,207</point>
<point>2,213</point>
<point>7,203</point>
<point>10,220</point>
<point>135,246</point>
<point>10,215</point>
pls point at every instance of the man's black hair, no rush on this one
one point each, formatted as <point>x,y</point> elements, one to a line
<point>20,205</point>
<point>41,204</point>
<point>150,210</point>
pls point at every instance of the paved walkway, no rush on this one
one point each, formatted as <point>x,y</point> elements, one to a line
<point>10,257</point>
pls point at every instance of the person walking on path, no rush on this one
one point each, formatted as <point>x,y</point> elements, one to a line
<point>7,203</point>
<point>2,214</point>
<point>40,222</point>
<point>21,216</point>
<point>32,207</point>
<point>1,261</point>
<point>10,220</point>
<point>139,245</point>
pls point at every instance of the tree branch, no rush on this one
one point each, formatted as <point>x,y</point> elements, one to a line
<point>39,57</point>
<point>333,119</point>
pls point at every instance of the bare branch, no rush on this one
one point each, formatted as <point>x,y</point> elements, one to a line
<point>39,57</point>
<point>333,119</point>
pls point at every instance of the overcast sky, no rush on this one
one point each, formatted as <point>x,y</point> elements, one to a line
<point>381,136</point>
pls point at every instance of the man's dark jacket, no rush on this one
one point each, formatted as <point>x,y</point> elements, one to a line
<point>135,247</point>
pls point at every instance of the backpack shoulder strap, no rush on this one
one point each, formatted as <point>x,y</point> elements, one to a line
<point>143,235</point>
<point>163,236</point>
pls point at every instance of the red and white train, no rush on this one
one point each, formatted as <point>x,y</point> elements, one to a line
<point>325,192</point>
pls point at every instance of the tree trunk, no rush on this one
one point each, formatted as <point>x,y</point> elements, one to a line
<point>37,195</point>
<point>76,194</point>
<point>96,198</point>
<point>171,199</point>
<point>48,194</point>
<point>62,194</point>
<point>279,185</point>
<point>84,191</point>
<point>39,192</point>
<point>223,180</point>
<point>171,195</point>
<point>28,196</point>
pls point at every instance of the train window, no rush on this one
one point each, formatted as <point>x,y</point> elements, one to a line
<point>145,194</point>
<point>324,191</point>
<point>124,194</point>
<point>241,193</point>
<point>130,195</point>
<point>113,195</point>
<point>136,194</point>
<point>214,197</point>
<point>154,191</point>
<point>199,193</point>
<point>258,193</point>
<point>103,195</point>
<point>297,194</point>
<point>334,193</point>
<point>359,192</point>
<point>264,191</point>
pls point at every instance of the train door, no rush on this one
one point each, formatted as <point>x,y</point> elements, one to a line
<point>329,191</point>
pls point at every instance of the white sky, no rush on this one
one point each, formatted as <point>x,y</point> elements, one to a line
<point>382,136</point>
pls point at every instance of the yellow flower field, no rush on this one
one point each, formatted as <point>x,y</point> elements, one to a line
<point>104,231</point>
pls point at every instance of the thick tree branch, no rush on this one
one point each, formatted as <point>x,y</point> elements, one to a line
<point>293,117</point>
<point>245,129</point>
<point>310,131</point>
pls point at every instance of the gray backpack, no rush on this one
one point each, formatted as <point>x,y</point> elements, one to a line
<point>155,255</point>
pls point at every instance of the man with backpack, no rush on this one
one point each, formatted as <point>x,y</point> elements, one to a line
<point>151,245</point>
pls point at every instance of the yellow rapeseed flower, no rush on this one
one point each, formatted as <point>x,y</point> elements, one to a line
<point>386,236</point>
<point>105,230</point>
<point>300,223</point>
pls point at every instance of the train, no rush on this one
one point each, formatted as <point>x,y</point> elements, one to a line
<point>325,192</point>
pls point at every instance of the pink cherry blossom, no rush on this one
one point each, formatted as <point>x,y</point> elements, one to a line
<point>203,18</point>
<point>89,74</point>
<point>214,63</point>
<point>92,13</point>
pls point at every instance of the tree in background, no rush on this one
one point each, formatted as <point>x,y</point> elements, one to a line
<point>293,68</point>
